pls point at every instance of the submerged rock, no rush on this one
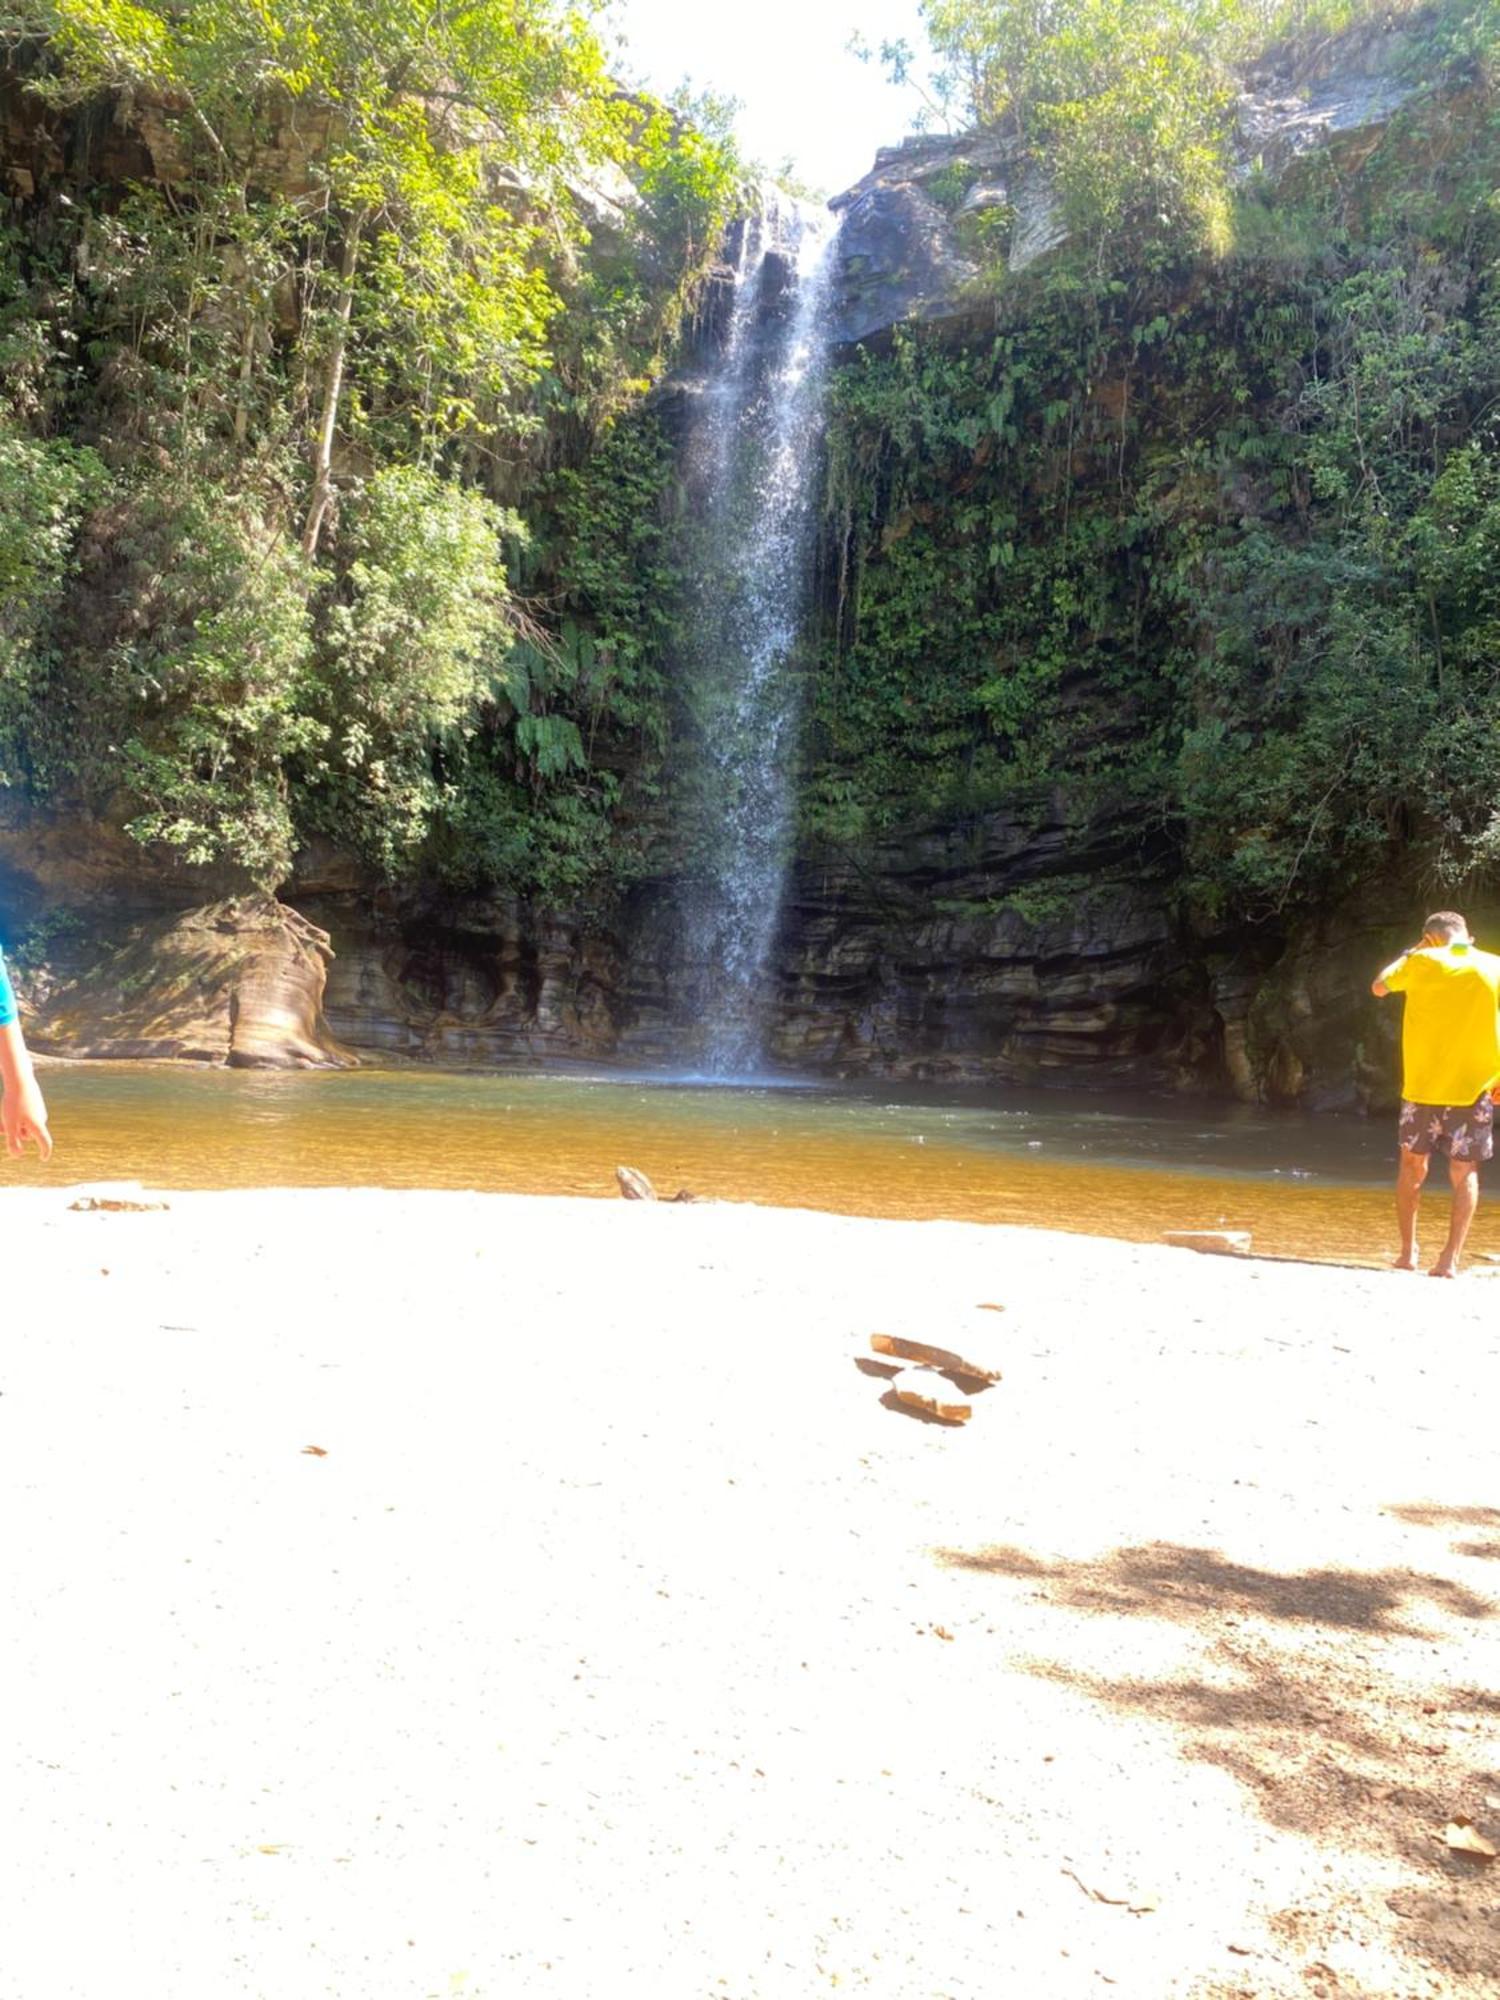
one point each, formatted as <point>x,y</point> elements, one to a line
<point>116,1198</point>
<point>1210,1242</point>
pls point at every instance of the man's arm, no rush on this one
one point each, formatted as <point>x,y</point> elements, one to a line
<point>23,1115</point>
<point>1392,980</point>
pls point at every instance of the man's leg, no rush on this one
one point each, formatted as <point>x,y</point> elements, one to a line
<point>1465,1178</point>
<point>1409,1178</point>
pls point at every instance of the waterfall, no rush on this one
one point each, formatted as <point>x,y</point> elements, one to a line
<point>750,465</point>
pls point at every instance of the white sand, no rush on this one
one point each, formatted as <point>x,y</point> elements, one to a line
<point>604,1652</point>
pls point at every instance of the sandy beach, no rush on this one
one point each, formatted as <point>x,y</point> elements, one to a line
<point>431,1595</point>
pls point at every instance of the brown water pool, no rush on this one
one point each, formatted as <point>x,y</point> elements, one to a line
<point>1113,1166</point>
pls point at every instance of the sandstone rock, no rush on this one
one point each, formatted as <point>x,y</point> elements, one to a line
<point>238,982</point>
<point>1040,226</point>
<point>903,249</point>
<point>86,865</point>
<point>485,981</point>
<point>932,955</point>
<point>1213,1242</point>
<point>1310,1032</point>
<point>985,195</point>
<point>897,260</point>
<point>116,1198</point>
<point>1294,104</point>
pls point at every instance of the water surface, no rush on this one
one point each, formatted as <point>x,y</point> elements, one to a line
<point>1107,1165</point>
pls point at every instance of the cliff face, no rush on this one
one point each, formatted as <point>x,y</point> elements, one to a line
<point>944,958</point>
<point>1042,939</point>
<point>899,967</point>
<point>907,255</point>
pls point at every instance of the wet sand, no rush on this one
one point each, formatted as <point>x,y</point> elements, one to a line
<point>615,1638</point>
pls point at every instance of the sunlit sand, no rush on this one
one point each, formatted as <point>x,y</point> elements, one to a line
<point>439,1593</point>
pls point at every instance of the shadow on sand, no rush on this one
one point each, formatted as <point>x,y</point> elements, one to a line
<point>1326,1693</point>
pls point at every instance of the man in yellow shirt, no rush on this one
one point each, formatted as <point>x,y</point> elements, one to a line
<point>1450,1061</point>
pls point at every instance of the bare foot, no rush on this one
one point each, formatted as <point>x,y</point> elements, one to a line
<point>1405,1263</point>
<point>1443,1268</point>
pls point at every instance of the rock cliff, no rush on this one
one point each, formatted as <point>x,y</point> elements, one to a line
<point>905,253</point>
<point>1016,947</point>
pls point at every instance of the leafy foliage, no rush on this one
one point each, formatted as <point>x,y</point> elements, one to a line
<point>45,488</point>
<point>179,688</point>
<point>390,268</point>
<point>414,643</point>
<point>1209,547</point>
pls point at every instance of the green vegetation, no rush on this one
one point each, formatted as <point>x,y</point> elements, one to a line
<point>332,502</point>
<point>1208,540</point>
<point>1131,101</point>
<point>357,283</point>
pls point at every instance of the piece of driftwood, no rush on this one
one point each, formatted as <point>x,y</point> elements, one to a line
<point>1213,1242</point>
<point>898,1347</point>
<point>117,1198</point>
<point>636,1187</point>
<point>924,1389</point>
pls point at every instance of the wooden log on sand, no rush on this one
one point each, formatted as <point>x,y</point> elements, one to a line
<point>1213,1242</point>
<point>897,1347</point>
<point>924,1389</point>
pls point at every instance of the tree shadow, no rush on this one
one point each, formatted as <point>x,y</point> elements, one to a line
<point>1167,1581</point>
<point>1308,1690</point>
<point>1427,1514</point>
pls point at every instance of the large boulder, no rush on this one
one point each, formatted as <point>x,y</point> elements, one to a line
<point>897,257</point>
<point>238,982</point>
<point>1298,101</point>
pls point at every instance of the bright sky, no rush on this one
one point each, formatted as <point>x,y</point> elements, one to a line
<point>802,95</point>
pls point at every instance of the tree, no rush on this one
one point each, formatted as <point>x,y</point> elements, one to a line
<point>438,145</point>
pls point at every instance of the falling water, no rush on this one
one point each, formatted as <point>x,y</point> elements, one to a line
<point>751,468</point>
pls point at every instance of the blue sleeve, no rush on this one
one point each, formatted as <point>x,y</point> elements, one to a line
<point>7,996</point>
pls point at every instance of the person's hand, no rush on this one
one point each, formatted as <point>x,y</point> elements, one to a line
<point>23,1115</point>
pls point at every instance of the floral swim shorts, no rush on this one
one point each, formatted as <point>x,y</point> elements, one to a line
<point>1462,1131</point>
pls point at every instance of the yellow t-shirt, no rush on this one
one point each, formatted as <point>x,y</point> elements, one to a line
<point>1450,1039</point>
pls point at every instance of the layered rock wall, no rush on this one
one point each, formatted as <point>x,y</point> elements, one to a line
<point>950,957</point>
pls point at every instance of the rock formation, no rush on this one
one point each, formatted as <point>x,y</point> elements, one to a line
<point>903,249</point>
<point>239,983</point>
<point>1017,947</point>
